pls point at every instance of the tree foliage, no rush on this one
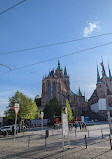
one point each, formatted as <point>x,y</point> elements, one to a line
<point>38,101</point>
<point>53,108</point>
<point>69,111</point>
<point>28,108</point>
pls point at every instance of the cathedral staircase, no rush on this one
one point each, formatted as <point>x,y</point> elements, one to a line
<point>94,116</point>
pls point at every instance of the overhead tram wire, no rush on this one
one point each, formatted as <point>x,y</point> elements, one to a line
<point>5,66</point>
<point>77,52</point>
<point>12,7</point>
<point>54,44</point>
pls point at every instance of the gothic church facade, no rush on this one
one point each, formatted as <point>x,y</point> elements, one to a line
<point>103,89</point>
<point>57,84</point>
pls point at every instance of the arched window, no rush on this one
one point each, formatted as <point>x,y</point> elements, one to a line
<point>49,91</point>
<point>54,89</point>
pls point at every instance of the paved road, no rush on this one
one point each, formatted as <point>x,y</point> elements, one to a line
<point>31,144</point>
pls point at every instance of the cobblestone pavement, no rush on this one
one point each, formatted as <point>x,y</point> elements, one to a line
<point>31,144</point>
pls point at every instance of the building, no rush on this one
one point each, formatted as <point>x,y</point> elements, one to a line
<point>57,84</point>
<point>97,101</point>
<point>1,121</point>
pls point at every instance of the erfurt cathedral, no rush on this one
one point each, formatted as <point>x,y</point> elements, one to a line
<point>102,91</point>
<point>57,84</point>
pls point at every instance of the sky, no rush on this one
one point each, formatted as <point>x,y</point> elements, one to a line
<point>36,23</point>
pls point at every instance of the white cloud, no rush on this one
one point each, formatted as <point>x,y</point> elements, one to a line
<point>89,29</point>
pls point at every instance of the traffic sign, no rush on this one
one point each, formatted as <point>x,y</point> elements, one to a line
<point>16,108</point>
<point>42,115</point>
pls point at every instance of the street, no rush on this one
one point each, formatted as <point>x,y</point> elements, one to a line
<point>31,144</point>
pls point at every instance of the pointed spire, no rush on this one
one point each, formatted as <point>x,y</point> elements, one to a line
<point>110,76</point>
<point>98,75</point>
<point>49,73</point>
<point>79,93</point>
<point>103,69</point>
<point>58,65</point>
<point>65,72</point>
<point>53,70</point>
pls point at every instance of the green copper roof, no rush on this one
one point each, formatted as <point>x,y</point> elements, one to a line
<point>79,93</point>
<point>106,77</point>
<point>58,65</point>
<point>71,93</point>
<point>65,72</point>
<point>99,82</point>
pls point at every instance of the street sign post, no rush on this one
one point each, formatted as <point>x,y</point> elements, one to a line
<point>16,109</point>
<point>64,124</point>
<point>65,129</point>
<point>42,115</point>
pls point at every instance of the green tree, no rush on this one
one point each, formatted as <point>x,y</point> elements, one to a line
<point>69,111</point>
<point>28,108</point>
<point>38,101</point>
<point>53,108</point>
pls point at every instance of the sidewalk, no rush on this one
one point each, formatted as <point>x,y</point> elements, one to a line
<point>32,145</point>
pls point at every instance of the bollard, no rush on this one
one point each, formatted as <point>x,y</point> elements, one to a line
<point>28,141</point>
<point>102,133</point>
<point>75,133</point>
<point>46,136</point>
<point>47,133</point>
<point>86,141</point>
<point>88,133</point>
<point>110,142</point>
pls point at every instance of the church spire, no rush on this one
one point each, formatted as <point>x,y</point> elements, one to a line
<point>98,75</point>
<point>65,72</point>
<point>103,69</point>
<point>79,93</point>
<point>110,76</point>
<point>58,64</point>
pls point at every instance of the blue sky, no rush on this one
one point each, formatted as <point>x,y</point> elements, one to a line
<point>41,22</point>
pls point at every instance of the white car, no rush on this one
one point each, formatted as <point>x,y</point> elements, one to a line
<point>8,130</point>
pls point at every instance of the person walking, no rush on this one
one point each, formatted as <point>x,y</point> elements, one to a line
<point>76,126</point>
<point>85,126</point>
<point>80,126</point>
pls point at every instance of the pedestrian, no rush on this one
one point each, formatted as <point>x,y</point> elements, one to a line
<point>85,126</point>
<point>80,126</point>
<point>75,126</point>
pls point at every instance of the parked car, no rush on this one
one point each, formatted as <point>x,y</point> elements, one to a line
<point>88,123</point>
<point>8,130</point>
